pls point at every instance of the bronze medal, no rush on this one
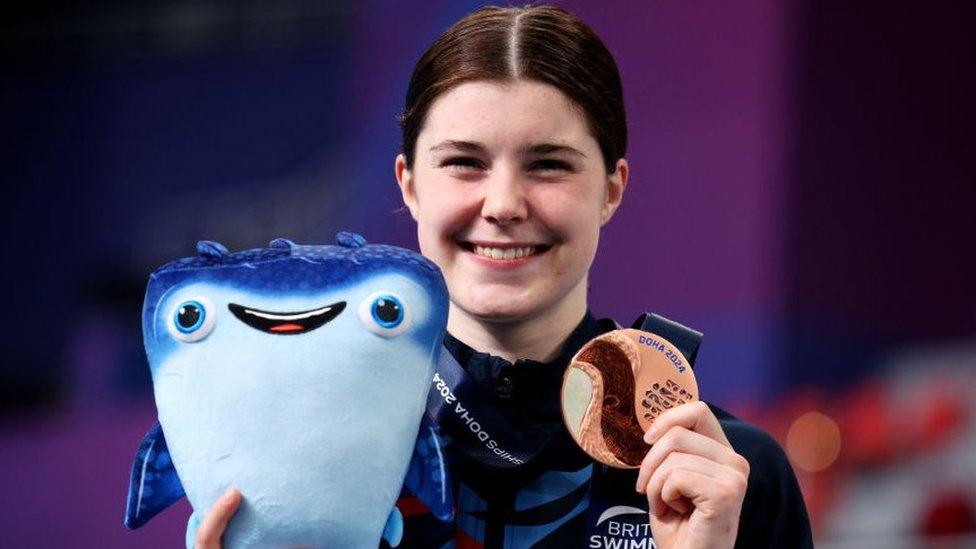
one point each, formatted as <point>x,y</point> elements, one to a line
<point>614,388</point>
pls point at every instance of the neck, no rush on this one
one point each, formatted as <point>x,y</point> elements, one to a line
<point>538,337</point>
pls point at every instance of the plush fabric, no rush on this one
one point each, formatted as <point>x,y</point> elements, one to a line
<point>298,374</point>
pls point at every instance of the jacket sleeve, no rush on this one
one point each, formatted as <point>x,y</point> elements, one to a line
<point>773,512</point>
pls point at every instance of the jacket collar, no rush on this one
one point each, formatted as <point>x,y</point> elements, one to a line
<point>506,380</point>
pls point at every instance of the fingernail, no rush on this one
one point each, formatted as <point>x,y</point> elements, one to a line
<point>229,494</point>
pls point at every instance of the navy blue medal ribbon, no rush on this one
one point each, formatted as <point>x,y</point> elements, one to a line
<point>479,430</point>
<point>684,338</point>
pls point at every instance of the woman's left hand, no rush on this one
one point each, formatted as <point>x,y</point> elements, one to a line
<point>695,482</point>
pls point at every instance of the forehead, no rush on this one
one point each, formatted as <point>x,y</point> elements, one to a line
<point>501,114</point>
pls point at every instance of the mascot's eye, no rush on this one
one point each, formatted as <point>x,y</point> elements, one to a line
<point>189,317</point>
<point>384,314</point>
<point>192,319</point>
<point>387,311</point>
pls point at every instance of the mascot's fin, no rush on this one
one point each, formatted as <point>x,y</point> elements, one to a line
<point>153,485</point>
<point>192,525</point>
<point>393,531</point>
<point>427,476</point>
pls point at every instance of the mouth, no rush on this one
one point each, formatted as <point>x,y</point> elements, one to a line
<point>511,252</point>
<point>286,323</point>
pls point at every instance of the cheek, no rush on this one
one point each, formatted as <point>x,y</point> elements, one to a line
<point>441,218</point>
<point>441,212</point>
<point>573,211</point>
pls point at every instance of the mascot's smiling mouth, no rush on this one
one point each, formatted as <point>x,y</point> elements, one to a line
<point>286,323</point>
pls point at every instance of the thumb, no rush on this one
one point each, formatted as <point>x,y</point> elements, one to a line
<point>213,525</point>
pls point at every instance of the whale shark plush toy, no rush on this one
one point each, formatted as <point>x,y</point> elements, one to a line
<point>298,374</point>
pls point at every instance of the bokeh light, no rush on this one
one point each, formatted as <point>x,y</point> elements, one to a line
<point>813,442</point>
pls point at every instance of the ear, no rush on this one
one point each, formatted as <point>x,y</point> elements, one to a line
<point>616,184</point>
<point>404,178</point>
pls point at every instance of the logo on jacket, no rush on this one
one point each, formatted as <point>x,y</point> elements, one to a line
<point>622,527</point>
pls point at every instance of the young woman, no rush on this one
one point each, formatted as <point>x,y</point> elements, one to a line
<point>514,138</point>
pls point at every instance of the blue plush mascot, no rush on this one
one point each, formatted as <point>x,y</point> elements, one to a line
<point>298,374</point>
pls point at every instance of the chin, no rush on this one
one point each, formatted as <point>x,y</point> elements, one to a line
<point>501,307</point>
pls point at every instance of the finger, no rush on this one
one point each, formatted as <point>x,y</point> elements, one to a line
<point>675,462</point>
<point>656,504</point>
<point>679,464</point>
<point>714,494</point>
<point>694,416</point>
<point>214,524</point>
<point>680,439</point>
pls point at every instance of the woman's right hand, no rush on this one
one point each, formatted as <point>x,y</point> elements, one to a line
<point>213,525</point>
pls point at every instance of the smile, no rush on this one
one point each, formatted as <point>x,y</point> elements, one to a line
<point>286,323</point>
<point>504,252</point>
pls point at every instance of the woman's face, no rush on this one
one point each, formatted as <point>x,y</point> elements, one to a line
<point>509,191</point>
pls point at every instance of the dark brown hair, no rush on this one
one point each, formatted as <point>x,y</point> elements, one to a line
<point>540,43</point>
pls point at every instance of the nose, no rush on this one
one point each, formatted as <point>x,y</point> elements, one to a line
<point>504,199</point>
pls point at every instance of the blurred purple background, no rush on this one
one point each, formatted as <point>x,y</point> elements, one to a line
<point>803,191</point>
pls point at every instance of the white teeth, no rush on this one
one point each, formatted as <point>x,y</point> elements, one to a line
<point>504,253</point>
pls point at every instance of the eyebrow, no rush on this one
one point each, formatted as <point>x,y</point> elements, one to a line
<point>473,147</point>
<point>467,146</point>
<point>546,148</point>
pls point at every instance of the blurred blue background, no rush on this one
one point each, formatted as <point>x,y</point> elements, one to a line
<point>802,190</point>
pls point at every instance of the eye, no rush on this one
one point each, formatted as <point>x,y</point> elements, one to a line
<point>550,165</point>
<point>384,314</point>
<point>192,319</point>
<point>462,163</point>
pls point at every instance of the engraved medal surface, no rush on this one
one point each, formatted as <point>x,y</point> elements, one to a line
<point>614,388</point>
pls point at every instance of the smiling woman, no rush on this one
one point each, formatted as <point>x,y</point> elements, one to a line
<point>514,137</point>
<point>509,191</point>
